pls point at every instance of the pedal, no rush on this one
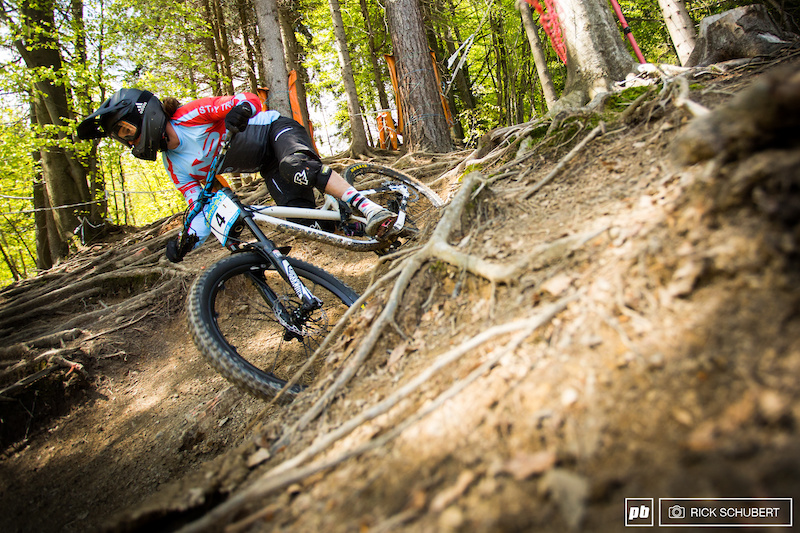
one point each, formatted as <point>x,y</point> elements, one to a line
<point>353,229</point>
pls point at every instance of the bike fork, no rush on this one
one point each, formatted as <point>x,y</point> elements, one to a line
<point>291,321</point>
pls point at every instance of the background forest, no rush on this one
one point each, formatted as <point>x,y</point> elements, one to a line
<point>84,50</point>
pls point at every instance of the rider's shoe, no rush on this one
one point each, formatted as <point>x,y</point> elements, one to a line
<point>380,223</point>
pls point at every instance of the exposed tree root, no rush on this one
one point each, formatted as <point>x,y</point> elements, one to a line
<point>437,248</point>
<point>112,330</point>
<point>421,164</point>
<point>682,99</point>
<point>91,292</point>
<point>334,333</point>
<point>89,288</point>
<point>148,299</point>
<point>492,147</point>
<point>601,128</point>
<point>44,341</point>
<point>54,361</point>
<point>292,471</point>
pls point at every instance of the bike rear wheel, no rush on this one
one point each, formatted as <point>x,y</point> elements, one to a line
<point>423,204</point>
<point>239,333</point>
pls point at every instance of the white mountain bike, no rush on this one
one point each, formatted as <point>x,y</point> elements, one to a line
<point>257,315</point>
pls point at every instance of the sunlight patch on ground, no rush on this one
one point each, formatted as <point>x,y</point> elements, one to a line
<point>149,399</point>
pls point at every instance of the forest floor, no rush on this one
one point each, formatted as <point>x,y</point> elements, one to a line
<point>667,368</point>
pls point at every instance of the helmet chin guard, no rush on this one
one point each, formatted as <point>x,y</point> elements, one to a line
<point>153,130</point>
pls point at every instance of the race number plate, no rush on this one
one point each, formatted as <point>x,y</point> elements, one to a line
<point>223,215</point>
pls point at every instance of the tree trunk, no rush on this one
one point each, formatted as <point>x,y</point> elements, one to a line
<point>275,73</point>
<point>209,43</point>
<point>98,210</point>
<point>373,57</point>
<point>539,58</point>
<point>462,76</point>
<point>294,56</point>
<point>358,144</point>
<point>260,74</point>
<point>60,186</point>
<point>746,31</point>
<point>43,258</point>
<point>434,41</point>
<point>596,54</point>
<point>460,81</point>
<point>458,128</point>
<point>9,260</point>
<point>190,83</point>
<point>14,225</point>
<point>126,200</point>
<point>504,89</point>
<point>50,248</point>
<point>250,55</point>
<point>42,217</point>
<point>680,27</point>
<point>425,127</point>
<point>63,173</point>
<point>221,34</point>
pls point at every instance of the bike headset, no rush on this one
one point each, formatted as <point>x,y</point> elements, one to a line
<point>139,109</point>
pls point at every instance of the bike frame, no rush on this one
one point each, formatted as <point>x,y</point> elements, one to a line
<point>276,217</point>
<point>263,245</point>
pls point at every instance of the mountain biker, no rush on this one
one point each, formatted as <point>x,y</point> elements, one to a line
<point>188,136</point>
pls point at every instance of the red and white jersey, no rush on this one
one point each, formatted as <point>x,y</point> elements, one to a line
<point>200,125</point>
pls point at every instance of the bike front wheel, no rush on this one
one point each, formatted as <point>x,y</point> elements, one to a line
<point>378,184</point>
<point>239,332</point>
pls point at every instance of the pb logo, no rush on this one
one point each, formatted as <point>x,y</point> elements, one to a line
<point>639,512</point>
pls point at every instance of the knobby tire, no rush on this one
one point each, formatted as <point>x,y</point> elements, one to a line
<point>240,335</point>
<point>423,207</point>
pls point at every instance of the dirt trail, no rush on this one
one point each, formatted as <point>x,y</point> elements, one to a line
<point>671,372</point>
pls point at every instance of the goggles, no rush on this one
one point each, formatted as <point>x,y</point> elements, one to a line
<point>125,132</point>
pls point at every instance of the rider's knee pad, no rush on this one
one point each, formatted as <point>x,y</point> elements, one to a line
<point>304,170</point>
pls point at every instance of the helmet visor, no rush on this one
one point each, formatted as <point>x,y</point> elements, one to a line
<point>125,132</point>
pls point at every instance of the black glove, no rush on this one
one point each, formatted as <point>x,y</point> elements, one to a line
<point>236,119</point>
<point>179,247</point>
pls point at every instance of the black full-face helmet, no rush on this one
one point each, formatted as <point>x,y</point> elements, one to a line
<point>129,114</point>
